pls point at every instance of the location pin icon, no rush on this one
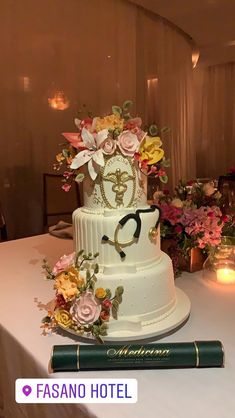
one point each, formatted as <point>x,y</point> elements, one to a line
<point>26,390</point>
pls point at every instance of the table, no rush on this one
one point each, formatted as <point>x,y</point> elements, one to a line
<point>180,393</point>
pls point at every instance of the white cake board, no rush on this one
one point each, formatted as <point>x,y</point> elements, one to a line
<point>171,322</point>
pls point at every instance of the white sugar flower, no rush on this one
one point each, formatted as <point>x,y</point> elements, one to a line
<point>92,155</point>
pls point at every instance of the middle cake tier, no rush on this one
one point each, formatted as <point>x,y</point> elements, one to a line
<point>124,239</point>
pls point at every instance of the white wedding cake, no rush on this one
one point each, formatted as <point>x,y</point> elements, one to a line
<point>113,160</point>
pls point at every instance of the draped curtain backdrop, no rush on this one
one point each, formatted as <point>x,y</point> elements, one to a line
<point>99,53</point>
<point>214,97</point>
<point>164,59</point>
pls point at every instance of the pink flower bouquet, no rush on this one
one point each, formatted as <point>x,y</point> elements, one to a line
<point>79,306</point>
<point>192,218</point>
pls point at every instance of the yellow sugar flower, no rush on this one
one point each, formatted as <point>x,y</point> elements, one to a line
<point>69,160</point>
<point>73,272</point>
<point>100,293</point>
<point>63,318</point>
<point>109,122</point>
<point>66,284</point>
<point>150,150</point>
<point>59,157</point>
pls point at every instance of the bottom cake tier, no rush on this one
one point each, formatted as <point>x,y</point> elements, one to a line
<point>160,328</point>
<point>151,304</point>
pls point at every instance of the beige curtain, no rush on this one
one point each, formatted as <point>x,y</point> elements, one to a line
<point>98,53</point>
<point>165,61</point>
<point>214,89</point>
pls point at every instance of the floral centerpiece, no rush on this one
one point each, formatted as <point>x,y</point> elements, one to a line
<point>117,132</point>
<point>80,306</point>
<point>231,171</point>
<point>191,218</point>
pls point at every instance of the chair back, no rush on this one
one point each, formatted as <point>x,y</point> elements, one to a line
<point>57,204</point>
<point>3,227</point>
<point>205,180</point>
<point>226,182</point>
<point>226,186</point>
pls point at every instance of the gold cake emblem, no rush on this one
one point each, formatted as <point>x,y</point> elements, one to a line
<point>118,182</point>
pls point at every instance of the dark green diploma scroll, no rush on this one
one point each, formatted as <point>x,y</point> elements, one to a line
<point>137,356</point>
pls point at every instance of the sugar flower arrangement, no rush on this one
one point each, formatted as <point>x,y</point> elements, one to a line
<point>104,136</point>
<point>80,306</point>
<point>192,218</point>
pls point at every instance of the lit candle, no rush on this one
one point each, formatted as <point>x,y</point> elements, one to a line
<point>225,276</point>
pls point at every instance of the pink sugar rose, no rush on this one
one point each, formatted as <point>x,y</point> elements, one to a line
<point>161,172</point>
<point>178,229</point>
<point>66,187</point>
<point>139,133</point>
<point>64,262</point>
<point>108,146</point>
<point>86,123</point>
<point>107,304</point>
<point>208,188</point>
<point>105,315</point>
<point>225,218</point>
<point>128,143</point>
<point>157,196</point>
<point>133,123</point>
<point>86,310</point>
<point>68,174</point>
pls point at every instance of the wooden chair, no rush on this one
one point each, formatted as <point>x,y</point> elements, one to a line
<point>226,182</point>
<point>204,180</point>
<point>57,204</point>
<point>3,227</point>
<point>226,186</point>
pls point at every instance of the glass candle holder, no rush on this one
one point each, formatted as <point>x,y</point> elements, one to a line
<point>220,265</point>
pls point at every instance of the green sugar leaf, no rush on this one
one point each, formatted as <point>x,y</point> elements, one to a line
<point>119,290</point>
<point>127,104</point>
<point>79,178</point>
<point>46,320</point>
<point>65,153</point>
<point>127,116</point>
<point>108,294</point>
<point>164,179</point>
<point>118,298</point>
<point>153,130</point>
<point>96,269</point>
<point>117,110</point>
<point>115,306</point>
<point>165,130</point>
<point>166,163</point>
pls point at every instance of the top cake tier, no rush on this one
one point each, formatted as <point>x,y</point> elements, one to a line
<point>112,155</point>
<point>119,185</point>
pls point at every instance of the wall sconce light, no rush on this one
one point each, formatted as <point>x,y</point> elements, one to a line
<point>59,101</point>
<point>25,83</point>
<point>152,82</point>
<point>195,56</point>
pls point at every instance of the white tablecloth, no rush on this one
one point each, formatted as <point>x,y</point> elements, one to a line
<point>189,393</point>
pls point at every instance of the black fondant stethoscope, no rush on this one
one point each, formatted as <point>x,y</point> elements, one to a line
<point>136,216</point>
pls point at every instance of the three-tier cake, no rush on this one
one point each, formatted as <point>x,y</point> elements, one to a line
<point>113,157</point>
